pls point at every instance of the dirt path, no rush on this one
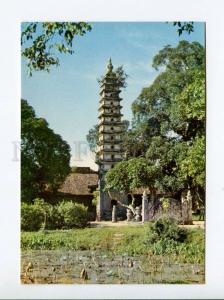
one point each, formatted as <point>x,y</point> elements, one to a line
<point>196,224</point>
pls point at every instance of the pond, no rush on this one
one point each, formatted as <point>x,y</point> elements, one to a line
<point>92,267</point>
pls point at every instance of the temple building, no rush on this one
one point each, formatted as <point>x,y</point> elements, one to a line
<point>110,134</point>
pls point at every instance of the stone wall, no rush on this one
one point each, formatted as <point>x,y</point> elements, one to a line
<point>155,208</point>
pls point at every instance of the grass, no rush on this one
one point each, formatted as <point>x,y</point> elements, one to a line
<point>121,241</point>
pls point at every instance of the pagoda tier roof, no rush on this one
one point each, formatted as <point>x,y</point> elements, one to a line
<point>110,99</point>
<point>110,132</point>
<point>110,72</point>
<point>109,106</point>
<point>109,115</point>
<point>109,91</point>
<point>111,81</point>
<point>110,87</point>
<point>112,123</point>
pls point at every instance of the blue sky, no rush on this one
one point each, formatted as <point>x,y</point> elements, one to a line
<point>68,96</point>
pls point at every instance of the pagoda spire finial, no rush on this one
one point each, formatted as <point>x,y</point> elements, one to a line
<point>110,66</point>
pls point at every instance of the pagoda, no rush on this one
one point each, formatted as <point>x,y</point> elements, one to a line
<point>110,134</point>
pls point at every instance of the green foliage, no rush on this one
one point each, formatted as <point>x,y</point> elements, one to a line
<point>45,156</point>
<point>166,229</point>
<point>169,119</point>
<point>184,26</point>
<point>141,173</point>
<point>193,165</point>
<point>43,216</point>
<point>32,217</point>
<point>167,154</point>
<point>117,178</point>
<point>180,66</point>
<point>74,215</point>
<point>133,242</point>
<point>136,140</point>
<point>92,138</point>
<point>96,195</point>
<point>127,176</point>
<point>183,58</point>
<point>43,41</point>
<point>187,112</point>
<point>122,76</point>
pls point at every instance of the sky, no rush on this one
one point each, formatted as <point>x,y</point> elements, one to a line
<point>68,96</point>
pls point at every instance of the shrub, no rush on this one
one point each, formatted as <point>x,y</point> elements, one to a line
<point>166,229</point>
<point>32,217</point>
<point>54,219</point>
<point>73,215</point>
<point>41,215</point>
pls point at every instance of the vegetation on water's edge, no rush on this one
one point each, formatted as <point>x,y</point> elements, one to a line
<point>131,240</point>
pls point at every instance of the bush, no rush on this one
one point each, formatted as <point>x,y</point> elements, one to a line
<point>32,217</point>
<point>54,219</point>
<point>73,215</point>
<point>166,229</point>
<point>41,215</point>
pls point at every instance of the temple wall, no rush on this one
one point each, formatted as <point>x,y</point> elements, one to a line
<point>104,207</point>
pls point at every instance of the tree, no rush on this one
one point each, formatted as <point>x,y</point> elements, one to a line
<point>187,111</point>
<point>176,104</point>
<point>92,138</point>
<point>181,66</point>
<point>127,176</point>
<point>184,26</point>
<point>193,165</point>
<point>42,42</point>
<point>137,139</point>
<point>45,156</point>
<point>166,154</point>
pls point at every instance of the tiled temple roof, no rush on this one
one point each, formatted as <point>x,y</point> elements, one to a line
<point>80,183</point>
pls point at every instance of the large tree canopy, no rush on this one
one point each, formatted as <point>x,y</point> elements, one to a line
<point>45,156</point>
<point>127,176</point>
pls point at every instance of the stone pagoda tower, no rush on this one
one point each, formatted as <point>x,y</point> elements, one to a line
<point>110,135</point>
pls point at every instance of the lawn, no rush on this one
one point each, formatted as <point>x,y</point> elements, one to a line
<point>117,241</point>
